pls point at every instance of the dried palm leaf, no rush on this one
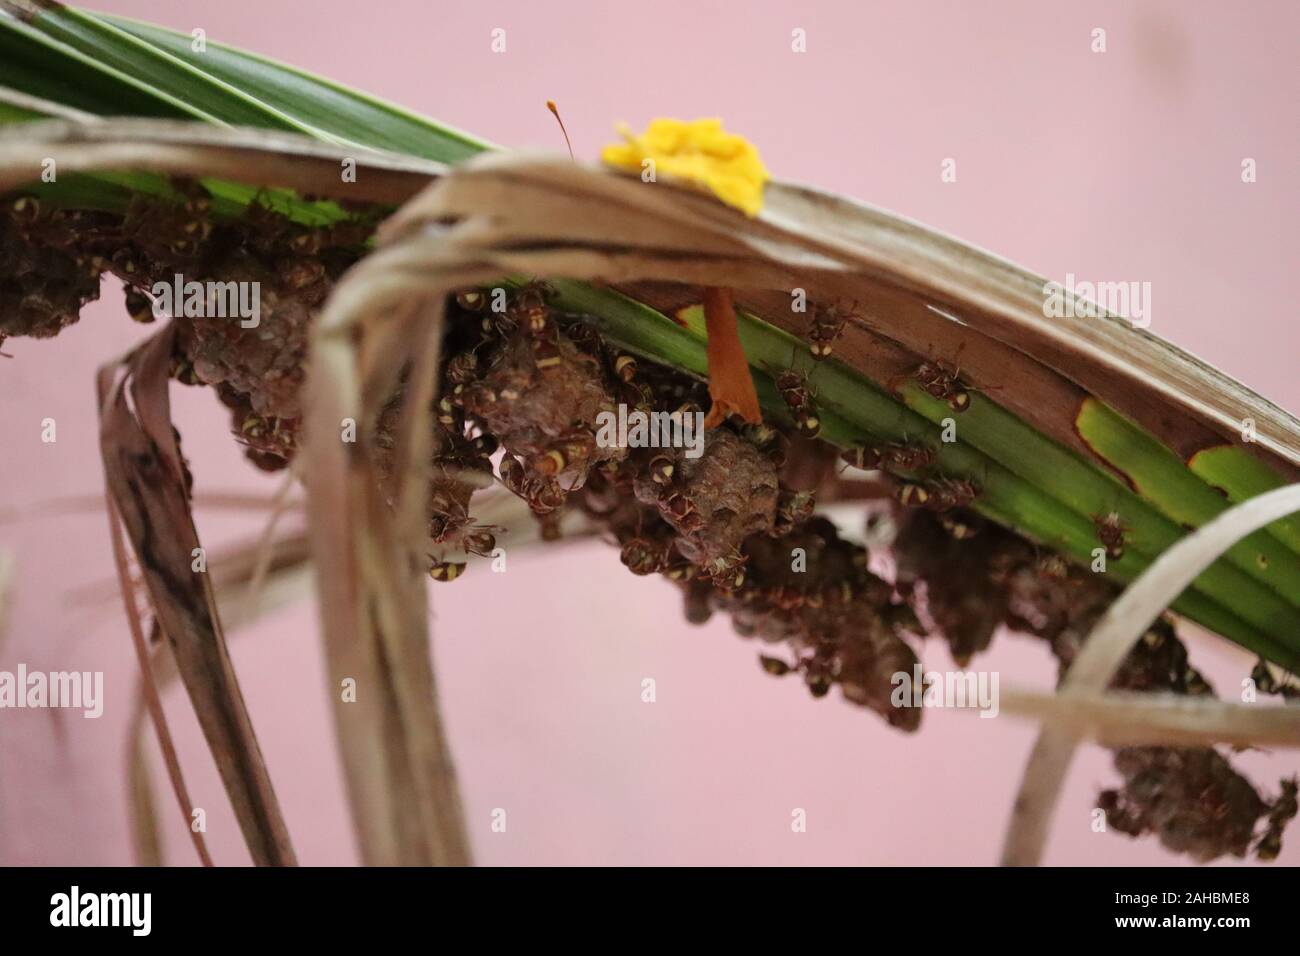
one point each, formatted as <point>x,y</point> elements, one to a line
<point>146,478</point>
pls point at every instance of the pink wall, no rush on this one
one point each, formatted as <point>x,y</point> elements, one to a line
<point>1118,166</point>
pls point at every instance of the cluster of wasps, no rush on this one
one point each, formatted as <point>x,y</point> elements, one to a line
<point>825,329</point>
<point>532,383</point>
<point>536,380</point>
<point>1196,803</point>
<point>712,504</point>
<point>940,494</point>
<point>55,257</point>
<point>670,533</point>
<point>938,379</point>
<point>842,623</point>
<point>158,238</point>
<point>47,276</point>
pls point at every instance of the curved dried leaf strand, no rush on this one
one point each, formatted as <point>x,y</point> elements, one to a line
<point>1125,719</point>
<point>146,828</point>
<point>370,585</point>
<point>149,689</point>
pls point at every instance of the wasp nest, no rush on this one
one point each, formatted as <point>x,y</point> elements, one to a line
<point>48,275</point>
<point>983,576</point>
<point>54,259</point>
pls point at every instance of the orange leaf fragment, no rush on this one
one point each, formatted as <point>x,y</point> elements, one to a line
<point>730,385</point>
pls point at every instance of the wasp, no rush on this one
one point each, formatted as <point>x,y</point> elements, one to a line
<point>729,577</point>
<point>697,601</point>
<point>785,598</point>
<point>1110,532</point>
<point>827,326</point>
<point>471,300</point>
<point>625,368</point>
<point>449,416</point>
<point>1052,567</point>
<point>561,457</point>
<point>498,319</point>
<point>959,528</point>
<point>301,274</point>
<point>462,368</point>
<point>550,462</point>
<point>944,382</point>
<point>866,457</point>
<point>774,665</point>
<point>513,475</point>
<point>584,336</point>
<point>126,264</point>
<point>792,507</point>
<point>912,494</point>
<point>550,525</point>
<point>544,496</point>
<point>480,540</point>
<point>445,570</point>
<point>25,210</point>
<point>308,242</point>
<point>530,309</point>
<point>1280,814</point>
<point>183,371</point>
<point>634,395</point>
<point>485,444</point>
<point>773,444</point>
<point>818,673</point>
<point>904,456</point>
<point>679,569</point>
<point>662,469</point>
<point>1268,684</point>
<point>255,427</point>
<point>139,306</point>
<point>642,557</point>
<point>541,493</point>
<point>947,493</point>
<point>798,397</point>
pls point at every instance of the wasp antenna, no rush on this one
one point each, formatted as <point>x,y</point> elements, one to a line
<point>550,105</point>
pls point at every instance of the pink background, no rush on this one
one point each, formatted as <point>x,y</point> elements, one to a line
<point>1118,166</point>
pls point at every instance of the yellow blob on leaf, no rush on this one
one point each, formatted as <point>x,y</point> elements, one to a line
<point>699,151</point>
